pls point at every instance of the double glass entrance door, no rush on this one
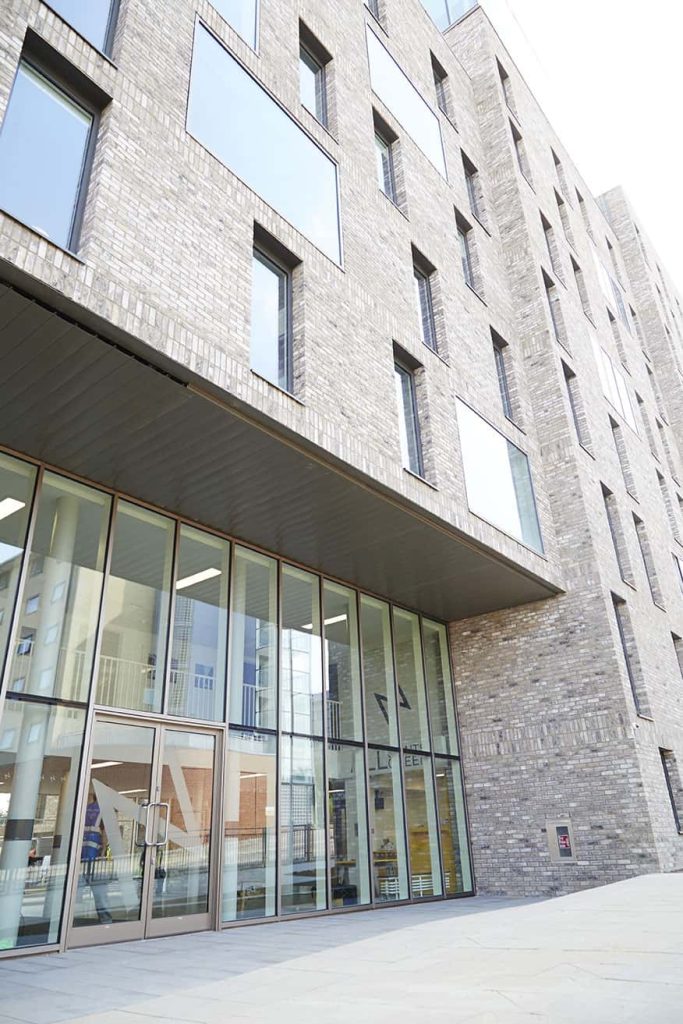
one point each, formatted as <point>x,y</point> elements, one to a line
<point>145,848</point>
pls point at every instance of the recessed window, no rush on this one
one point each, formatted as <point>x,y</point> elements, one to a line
<point>441,87</point>
<point>520,153</point>
<point>468,253</point>
<point>551,246</point>
<point>564,218</point>
<point>473,185</point>
<point>423,274</point>
<point>279,161</point>
<point>500,351</point>
<point>313,74</point>
<point>617,534</point>
<point>555,310</point>
<point>576,406</point>
<point>271,343</point>
<point>242,15</point>
<point>674,787</point>
<point>409,431</point>
<point>580,282</point>
<point>507,88</point>
<point>93,20</point>
<point>559,170</point>
<point>43,149</point>
<point>386,171</point>
<point>628,647</point>
<point>312,79</point>
<point>584,214</point>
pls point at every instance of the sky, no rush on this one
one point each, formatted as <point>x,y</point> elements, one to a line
<point>609,76</point>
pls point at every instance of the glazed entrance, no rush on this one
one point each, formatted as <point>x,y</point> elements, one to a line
<point>146,852</point>
<point>196,733</point>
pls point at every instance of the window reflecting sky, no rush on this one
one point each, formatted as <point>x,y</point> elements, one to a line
<point>42,149</point>
<point>230,114</point>
<point>404,101</point>
<point>90,18</point>
<point>497,479</point>
<point>242,15</point>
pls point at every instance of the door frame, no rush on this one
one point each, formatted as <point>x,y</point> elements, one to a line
<point>147,926</point>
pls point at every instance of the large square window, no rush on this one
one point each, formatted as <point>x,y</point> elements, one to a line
<point>43,149</point>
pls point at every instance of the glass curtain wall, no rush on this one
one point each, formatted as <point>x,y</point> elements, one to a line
<point>343,782</point>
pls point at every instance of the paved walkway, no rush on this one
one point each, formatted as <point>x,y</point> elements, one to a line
<point>606,956</point>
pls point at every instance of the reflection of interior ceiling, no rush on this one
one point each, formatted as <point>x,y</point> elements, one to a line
<point>74,400</point>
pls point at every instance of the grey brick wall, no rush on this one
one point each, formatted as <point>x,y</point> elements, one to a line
<point>548,721</point>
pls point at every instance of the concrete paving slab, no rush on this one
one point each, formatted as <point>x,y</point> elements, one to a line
<point>604,956</point>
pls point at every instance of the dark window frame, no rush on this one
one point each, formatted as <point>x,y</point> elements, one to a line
<point>406,369</point>
<point>263,252</point>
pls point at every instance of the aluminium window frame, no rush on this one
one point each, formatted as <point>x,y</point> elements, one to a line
<point>109,33</point>
<point>39,62</point>
<point>383,137</point>
<point>402,368</point>
<point>265,256</point>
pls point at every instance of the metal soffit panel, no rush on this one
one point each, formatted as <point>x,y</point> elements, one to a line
<point>77,402</point>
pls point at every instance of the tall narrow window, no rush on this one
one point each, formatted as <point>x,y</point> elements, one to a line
<point>628,648</point>
<point>648,559</point>
<point>468,255</point>
<point>551,246</point>
<point>622,455</point>
<point>561,177</point>
<point>520,153</point>
<point>313,78</point>
<point>423,275</point>
<point>613,260</point>
<point>43,156</point>
<point>673,785</point>
<point>474,191</point>
<point>409,431</point>
<point>384,151</point>
<point>271,354</point>
<point>580,282</point>
<point>576,406</point>
<point>584,215</point>
<point>564,218</point>
<point>673,522</point>
<point>668,453</point>
<point>555,311</point>
<point>641,246</point>
<point>507,88</point>
<point>441,88</point>
<point>499,354</point>
<point>617,534</point>
<point>678,651</point>
<point>616,334</point>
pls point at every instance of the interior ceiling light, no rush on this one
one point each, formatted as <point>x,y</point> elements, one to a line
<point>8,506</point>
<point>198,577</point>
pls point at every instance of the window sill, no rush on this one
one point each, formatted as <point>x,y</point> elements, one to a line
<point>320,124</point>
<point>589,318</point>
<point>587,450</point>
<point>45,238</point>
<point>528,181</point>
<point>514,424</point>
<point>480,222</point>
<point>447,117</point>
<point>422,479</point>
<point>645,718</point>
<point>376,20</point>
<point>436,353</point>
<point>393,204</point>
<point>475,292</point>
<point>277,387</point>
<point>634,496</point>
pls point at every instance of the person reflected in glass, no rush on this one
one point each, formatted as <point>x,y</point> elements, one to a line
<point>92,852</point>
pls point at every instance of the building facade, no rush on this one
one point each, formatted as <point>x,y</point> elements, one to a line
<point>332,401</point>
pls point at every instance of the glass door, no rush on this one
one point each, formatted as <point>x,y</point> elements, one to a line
<point>145,856</point>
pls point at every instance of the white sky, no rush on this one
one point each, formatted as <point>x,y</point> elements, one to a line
<point>609,76</point>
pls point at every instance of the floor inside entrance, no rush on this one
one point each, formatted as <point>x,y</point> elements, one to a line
<point>612,955</point>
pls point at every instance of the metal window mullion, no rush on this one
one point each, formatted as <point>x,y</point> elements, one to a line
<point>278,742</point>
<point>431,755</point>
<point>166,678</point>
<point>323,707</point>
<point>21,582</point>
<point>366,760</point>
<point>400,754</point>
<point>458,757</point>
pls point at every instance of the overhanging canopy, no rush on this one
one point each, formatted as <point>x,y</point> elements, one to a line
<point>84,404</point>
